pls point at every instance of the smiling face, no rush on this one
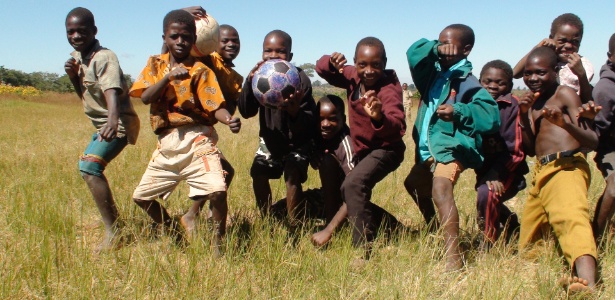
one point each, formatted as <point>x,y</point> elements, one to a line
<point>179,40</point>
<point>539,75</point>
<point>496,82</point>
<point>229,44</point>
<point>453,37</point>
<point>276,47</point>
<point>370,64</point>
<point>80,34</point>
<point>567,41</point>
<point>331,121</point>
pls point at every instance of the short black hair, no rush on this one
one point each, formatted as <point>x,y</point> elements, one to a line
<point>179,16</point>
<point>500,65</point>
<point>467,34</point>
<point>227,27</point>
<point>544,52</point>
<point>84,14</point>
<point>612,44</point>
<point>373,42</point>
<point>336,101</point>
<point>282,34</point>
<point>567,19</point>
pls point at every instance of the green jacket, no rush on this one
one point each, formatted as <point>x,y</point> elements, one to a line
<point>475,111</point>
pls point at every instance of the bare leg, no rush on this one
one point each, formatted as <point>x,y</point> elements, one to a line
<point>219,211</point>
<point>324,236</point>
<point>99,187</point>
<point>585,279</point>
<point>197,206</point>
<point>262,193</point>
<point>449,217</point>
<point>188,220</point>
<point>294,192</point>
<point>604,208</point>
<point>419,185</point>
<point>160,216</point>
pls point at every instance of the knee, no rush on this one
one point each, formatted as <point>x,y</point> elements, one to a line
<point>141,202</point>
<point>482,196</point>
<point>218,197</point>
<point>442,191</point>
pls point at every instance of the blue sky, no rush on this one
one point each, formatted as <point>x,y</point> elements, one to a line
<point>34,33</point>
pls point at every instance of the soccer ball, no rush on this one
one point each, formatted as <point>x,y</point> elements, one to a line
<point>207,31</point>
<point>274,81</point>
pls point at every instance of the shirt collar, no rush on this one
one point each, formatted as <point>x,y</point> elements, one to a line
<point>89,55</point>
<point>450,70</point>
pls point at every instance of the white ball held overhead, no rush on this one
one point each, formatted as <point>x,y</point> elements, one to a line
<point>207,30</point>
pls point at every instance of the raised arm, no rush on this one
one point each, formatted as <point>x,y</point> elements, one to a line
<point>72,70</point>
<point>331,73</point>
<point>568,119</point>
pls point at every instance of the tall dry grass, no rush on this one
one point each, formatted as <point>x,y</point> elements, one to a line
<point>49,226</point>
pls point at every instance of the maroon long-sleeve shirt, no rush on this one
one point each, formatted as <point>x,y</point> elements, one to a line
<point>367,136</point>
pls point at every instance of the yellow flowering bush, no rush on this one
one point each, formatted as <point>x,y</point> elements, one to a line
<point>19,90</point>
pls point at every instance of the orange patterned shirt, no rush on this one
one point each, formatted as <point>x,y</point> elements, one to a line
<point>230,81</point>
<point>189,101</point>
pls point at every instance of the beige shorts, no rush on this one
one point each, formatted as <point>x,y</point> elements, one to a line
<point>186,153</point>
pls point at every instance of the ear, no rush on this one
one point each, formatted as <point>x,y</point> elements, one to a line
<point>608,54</point>
<point>467,49</point>
<point>290,56</point>
<point>354,60</point>
<point>95,30</point>
<point>384,63</point>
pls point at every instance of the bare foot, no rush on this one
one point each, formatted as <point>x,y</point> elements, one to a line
<point>111,241</point>
<point>453,263</point>
<point>187,221</point>
<point>321,238</point>
<point>574,285</point>
<point>175,229</point>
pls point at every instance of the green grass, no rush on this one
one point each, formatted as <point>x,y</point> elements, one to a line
<point>49,226</point>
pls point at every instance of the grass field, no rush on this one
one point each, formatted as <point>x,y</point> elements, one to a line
<point>49,226</point>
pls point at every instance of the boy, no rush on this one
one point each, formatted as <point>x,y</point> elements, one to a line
<point>98,80</point>
<point>604,95</point>
<point>501,176</point>
<point>558,195</point>
<point>455,110</point>
<point>286,133</point>
<point>186,102</point>
<point>407,95</point>
<point>573,70</point>
<point>334,163</point>
<point>376,127</point>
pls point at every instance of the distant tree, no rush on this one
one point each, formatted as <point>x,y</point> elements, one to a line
<point>316,83</point>
<point>308,68</point>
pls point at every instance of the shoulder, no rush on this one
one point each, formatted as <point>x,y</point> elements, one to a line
<point>105,54</point>
<point>566,95</point>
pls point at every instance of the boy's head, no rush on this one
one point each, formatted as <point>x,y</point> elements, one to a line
<point>332,116</point>
<point>81,29</point>
<point>229,45</point>
<point>179,33</point>
<point>497,78</point>
<point>567,32</point>
<point>539,73</point>
<point>370,59</point>
<point>460,35</point>
<point>404,86</point>
<point>278,45</point>
<point>611,53</point>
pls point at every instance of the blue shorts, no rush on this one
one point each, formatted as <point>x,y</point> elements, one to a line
<point>99,153</point>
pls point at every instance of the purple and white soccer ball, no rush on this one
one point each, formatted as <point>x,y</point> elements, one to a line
<point>274,81</point>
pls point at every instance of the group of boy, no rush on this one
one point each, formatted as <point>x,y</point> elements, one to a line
<point>462,123</point>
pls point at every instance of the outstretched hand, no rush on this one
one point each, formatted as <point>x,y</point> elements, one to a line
<point>547,42</point>
<point>589,110</point>
<point>338,61</point>
<point>554,115</point>
<point>251,74</point>
<point>292,104</point>
<point>198,12</point>
<point>372,105</point>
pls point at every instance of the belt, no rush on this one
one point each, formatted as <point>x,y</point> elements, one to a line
<point>545,159</point>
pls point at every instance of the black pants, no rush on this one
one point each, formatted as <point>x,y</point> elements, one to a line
<point>357,192</point>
